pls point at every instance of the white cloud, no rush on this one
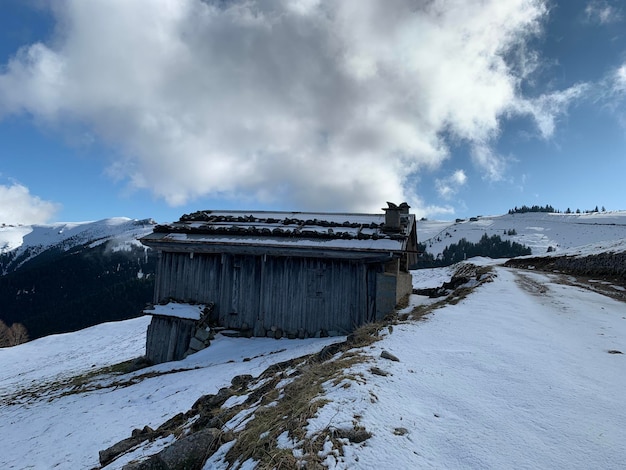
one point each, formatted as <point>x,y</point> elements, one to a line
<point>601,11</point>
<point>326,104</point>
<point>18,206</point>
<point>612,94</point>
<point>618,80</point>
<point>546,108</point>
<point>450,186</point>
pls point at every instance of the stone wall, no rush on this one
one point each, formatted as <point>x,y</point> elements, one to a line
<point>601,265</point>
<point>404,286</point>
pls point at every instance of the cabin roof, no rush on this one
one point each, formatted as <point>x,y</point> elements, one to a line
<point>176,309</point>
<point>292,231</point>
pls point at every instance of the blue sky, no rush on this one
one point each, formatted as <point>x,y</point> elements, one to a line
<point>154,109</point>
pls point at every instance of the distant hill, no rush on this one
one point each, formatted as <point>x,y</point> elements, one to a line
<point>558,233</point>
<point>65,277</point>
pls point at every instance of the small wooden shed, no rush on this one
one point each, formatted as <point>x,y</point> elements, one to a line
<point>295,274</point>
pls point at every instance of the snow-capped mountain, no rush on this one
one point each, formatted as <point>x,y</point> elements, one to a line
<point>66,276</point>
<point>22,243</point>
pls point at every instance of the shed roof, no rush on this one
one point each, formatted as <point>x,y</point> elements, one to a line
<point>176,309</point>
<point>336,234</point>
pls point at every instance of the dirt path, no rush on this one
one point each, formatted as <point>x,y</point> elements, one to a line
<point>611,287</point>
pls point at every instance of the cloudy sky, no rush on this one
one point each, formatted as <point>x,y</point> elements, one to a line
<point>155,108</point>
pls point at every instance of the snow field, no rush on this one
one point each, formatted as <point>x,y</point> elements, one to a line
<point>516,375</point>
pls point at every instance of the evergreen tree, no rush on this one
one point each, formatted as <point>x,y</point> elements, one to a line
<point>492,247</point>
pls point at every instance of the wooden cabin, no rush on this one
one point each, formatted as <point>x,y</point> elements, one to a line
<point>293,274</point>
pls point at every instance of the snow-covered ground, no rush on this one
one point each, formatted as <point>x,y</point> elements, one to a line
<point>517,375</point>
<point>538,231</point>
<point>44,426</point>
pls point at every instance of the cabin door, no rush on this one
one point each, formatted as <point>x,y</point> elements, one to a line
<point>244,292</point>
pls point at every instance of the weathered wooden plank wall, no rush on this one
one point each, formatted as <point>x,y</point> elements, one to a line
<point>313,294</point>
<point>168,338</point>
<point>188,279</point>
<point>290,293</point>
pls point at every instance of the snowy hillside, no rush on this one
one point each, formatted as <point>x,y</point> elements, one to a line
<point>25,242</point>
<point>67,276</point>
<point>525,372</point>
<point>565,233</point>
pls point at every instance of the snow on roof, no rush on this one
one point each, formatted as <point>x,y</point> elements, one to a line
<point>295,230</point>
<point>179,310</point>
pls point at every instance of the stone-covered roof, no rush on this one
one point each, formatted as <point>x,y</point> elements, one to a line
<point>285,230</point>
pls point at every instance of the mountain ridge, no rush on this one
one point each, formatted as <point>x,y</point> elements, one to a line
<point>62,277</point>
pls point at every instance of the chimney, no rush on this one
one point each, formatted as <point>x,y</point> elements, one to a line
<point>396,217</point>
<point>392,217</point>
<point>404,214</point>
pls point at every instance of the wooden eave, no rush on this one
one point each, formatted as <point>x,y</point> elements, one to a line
<point>259,249</point>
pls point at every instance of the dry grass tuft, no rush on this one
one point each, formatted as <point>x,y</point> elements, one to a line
<point>298,402</point>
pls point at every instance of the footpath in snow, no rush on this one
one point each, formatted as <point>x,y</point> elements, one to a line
<point>523,373</point>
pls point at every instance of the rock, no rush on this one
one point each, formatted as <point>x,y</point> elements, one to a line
<point>278,333</point>
<point>108,455</point>
<point>195,344</point>
<point>191,451</point>
<point>614,351</point>
<point>203,334</point>
<point>377,371</point>
<point>240,381</point>
<point>388,355</point>
<point>259,330</point>
<point>353,435</point>
<point>329,351</point>
<point>208,402</point>
<point>149,464</point>
<point>144,431</point>
<point>171,424</point>
<point>188,453</point>
<point>139,363</point>
<point>231,333</point>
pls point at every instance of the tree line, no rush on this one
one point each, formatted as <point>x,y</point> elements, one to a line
<point>491,247</point>
<point>549,209</point>
<point>12,335</point>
